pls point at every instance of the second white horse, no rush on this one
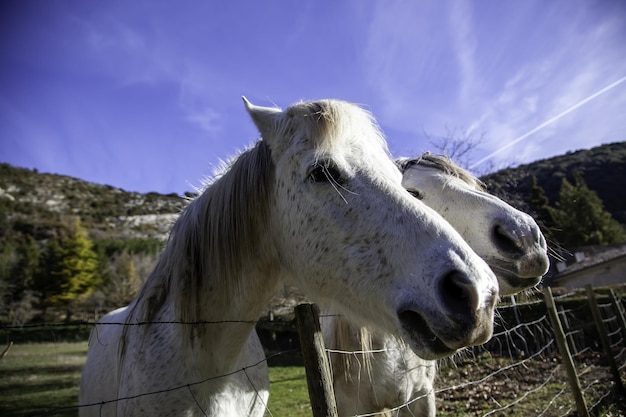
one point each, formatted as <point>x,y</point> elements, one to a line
<point>374,370</point>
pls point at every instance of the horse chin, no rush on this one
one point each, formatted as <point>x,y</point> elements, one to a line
<point>417,334</point>
<point>511,284</point>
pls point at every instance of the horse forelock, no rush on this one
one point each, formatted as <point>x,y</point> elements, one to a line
<point>444,164</point>
<point>213,236</point>
<point>329,123</point>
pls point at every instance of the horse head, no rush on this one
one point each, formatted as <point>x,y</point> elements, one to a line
<point>509,240</point>
<point>346,231</point>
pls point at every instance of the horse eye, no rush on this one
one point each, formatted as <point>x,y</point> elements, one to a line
<point>417,194</point>
<point>324,172</point>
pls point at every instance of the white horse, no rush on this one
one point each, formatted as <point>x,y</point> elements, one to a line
<point>317,202</point>
<point>391,374</point>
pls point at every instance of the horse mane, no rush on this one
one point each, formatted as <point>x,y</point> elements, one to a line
<point>444,164</point>
<point>345,339</point>
<point>211,238</point>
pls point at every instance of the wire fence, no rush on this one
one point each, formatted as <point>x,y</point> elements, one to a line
<point>520,368</point>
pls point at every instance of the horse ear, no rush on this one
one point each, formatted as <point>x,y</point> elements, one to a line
<point>266,119</point>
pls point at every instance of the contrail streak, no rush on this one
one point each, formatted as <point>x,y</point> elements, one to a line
<point>552,120</point>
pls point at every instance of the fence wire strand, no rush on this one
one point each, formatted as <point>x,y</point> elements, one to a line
<point>532,340</point>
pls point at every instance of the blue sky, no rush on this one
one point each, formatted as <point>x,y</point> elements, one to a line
<point>145,95</point>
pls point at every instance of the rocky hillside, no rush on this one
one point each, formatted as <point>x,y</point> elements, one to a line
<point>35,203</point>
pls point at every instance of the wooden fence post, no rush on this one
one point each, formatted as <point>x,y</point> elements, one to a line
<point>318,376</point>
<point>559,335</point>
<point>565,322</point>
<point>617,306</point>
<point>606,343</point>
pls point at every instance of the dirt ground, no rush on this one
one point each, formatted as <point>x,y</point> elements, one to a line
<point>490,386</point>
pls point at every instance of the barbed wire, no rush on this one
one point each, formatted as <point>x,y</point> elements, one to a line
<point>571,294</point>
<point>130,324</point>
<point>175,388</point>
<point>526,394</point>
<point>553,400</point>
<point>539,325</point>
<point>538,331</point>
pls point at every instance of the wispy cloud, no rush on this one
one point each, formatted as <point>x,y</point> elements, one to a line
<point>135,75</point>
<point>549,105</point>
<point>407,47</point>
<point>553,119</point>
<point>196,89</point>
<point>119,51</point>
<point>464,42</point>
<point>134,57</point>
<point>468,68</point>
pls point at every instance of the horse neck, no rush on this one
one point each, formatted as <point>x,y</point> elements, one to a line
<point>235,311</point>
<point>216,335</point>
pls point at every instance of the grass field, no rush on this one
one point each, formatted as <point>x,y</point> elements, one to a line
<point>36,378</point>
<point>42,380</point>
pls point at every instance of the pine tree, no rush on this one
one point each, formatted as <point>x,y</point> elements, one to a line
<point>540,206</point>
<point>5,275</point>
<point>25,267</point>
<point>70,270</point>
<point>46,282</point>
<point>581,218</point>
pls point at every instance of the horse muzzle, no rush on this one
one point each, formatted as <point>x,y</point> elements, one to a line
<point>465,319</point>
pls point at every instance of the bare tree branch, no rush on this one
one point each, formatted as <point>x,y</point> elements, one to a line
<point>458,144</point>
<point>461,145</point>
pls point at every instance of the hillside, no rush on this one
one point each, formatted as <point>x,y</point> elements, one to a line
<point>38,214</point>
<point>35,203</point>
<point>603,169</point>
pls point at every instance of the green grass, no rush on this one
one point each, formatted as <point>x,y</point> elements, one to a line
<point>42,379</point>
<point>38,379</point>
<point>289,394</point>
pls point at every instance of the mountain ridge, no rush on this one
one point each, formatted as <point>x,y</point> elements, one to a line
<point>31,201</point>
<point>602,167</point>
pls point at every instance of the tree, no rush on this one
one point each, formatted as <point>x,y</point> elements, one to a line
<point>458,144</point>
<point>123,282</point>
<point>462,145</point>
<point>46,282</point>
<point>18,271</point>
<point>540,205</point>
<point>25,267</point>
<point>69,270</point>
<point>6,263</point>
<point>581,218</point>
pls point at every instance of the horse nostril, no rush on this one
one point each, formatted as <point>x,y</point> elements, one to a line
<point>507,241</point>
<point>460,295</point>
